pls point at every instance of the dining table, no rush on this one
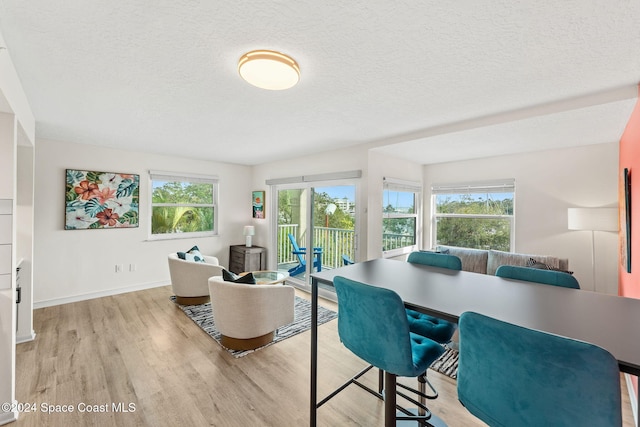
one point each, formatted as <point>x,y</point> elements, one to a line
<point>609,321</point>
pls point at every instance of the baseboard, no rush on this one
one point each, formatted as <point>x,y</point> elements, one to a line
<point>8,417</point>
<point>632,397</point>
<point>99,294</point>
<point>26,338</point>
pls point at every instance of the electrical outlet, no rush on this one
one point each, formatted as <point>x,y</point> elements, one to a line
<point>118,268</point>
<point>132,267</point>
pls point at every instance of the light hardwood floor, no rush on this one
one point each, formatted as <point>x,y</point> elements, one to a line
<point>139,350</point>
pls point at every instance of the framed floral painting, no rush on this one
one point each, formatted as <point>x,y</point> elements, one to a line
<point>101,200</point>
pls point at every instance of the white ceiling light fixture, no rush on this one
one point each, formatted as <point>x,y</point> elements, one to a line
<point>268,69</point>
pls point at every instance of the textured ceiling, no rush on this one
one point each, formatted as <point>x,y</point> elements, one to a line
<point>411,78</point>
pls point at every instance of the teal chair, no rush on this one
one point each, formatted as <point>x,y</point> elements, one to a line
<point>547,277</point>
<point>513,376</point>
<point>435,259</point>
<point>428,326</point>
<point>373,324</point>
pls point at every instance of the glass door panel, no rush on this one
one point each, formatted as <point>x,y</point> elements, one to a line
<point>332,234</point>
<point>334,224</point>
<point>293,205</point>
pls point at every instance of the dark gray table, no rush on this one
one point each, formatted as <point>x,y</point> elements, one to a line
<point>608,321</point>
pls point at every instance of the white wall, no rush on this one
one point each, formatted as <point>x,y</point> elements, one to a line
<point>547,184</point>
<point>78,264</point>
<point>7,264</point>
<point>24,239</point>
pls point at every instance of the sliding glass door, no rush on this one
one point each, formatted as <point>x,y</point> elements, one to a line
<point>322,217</point>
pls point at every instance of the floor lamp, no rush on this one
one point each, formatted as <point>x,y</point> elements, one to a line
<point>593,219</point>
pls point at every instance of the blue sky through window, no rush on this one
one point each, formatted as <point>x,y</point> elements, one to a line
<point>339,192</point>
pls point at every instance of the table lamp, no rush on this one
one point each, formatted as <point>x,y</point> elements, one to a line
<point>249,230</point>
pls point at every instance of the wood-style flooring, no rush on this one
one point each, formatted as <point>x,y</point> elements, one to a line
<point>139,353</point>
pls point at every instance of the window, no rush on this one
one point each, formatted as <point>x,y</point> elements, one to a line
<point>400,204</point>
<point>183,205</point>
<point>474,215</point>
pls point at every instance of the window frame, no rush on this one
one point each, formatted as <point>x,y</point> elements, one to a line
<point>476,187</point>
<point>393,184</point>
<point>188,178</point>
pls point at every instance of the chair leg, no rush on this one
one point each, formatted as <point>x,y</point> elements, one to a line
<point>390,400</point>
<point>422,389</point>
<point>380,380</point>
<point>423,396</point>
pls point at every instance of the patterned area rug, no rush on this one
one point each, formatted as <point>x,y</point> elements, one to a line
<point>447,364</point>
<point>202,315</point>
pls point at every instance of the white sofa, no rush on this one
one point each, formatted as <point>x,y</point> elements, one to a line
<point>248,315</point>
<point>189,278</point>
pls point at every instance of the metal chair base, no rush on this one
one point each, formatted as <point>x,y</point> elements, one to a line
<point>422,415</point>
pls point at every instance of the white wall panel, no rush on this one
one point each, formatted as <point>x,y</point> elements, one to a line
<point>6,229</point>
<point>5,259</point>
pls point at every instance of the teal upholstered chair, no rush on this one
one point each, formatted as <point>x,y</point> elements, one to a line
<point>373,324</point>
<point>547,277</point>
<point>429,326</point>
<point>435,259</point>
<point>513,376</point>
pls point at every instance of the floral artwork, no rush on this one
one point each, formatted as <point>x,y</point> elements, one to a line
<point>101,200</point>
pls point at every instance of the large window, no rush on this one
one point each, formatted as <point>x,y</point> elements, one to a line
<point>183,205</point>
<point>400,204</point>
<point>474,215</point>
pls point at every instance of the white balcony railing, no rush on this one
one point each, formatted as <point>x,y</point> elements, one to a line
<point>334,242</point>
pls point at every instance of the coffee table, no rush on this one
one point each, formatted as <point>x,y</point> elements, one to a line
<point>268,277</point>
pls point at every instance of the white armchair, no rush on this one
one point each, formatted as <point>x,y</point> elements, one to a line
<point>189,278</point>
<point>248,315</point>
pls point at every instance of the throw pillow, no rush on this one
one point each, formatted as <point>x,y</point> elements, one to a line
<point>192,254</point>
<point>532,263</point>
<point>247,279</point>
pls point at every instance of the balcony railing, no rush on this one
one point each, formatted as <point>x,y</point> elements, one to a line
<point>334,242</point>
<point>395,241</point>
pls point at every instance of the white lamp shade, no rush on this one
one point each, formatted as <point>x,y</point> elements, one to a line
<point>595,219</point>
<point>249,230</point>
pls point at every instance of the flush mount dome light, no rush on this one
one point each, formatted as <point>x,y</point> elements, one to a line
<point>270,70</point>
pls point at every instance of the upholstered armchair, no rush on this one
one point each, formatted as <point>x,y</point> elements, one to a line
<point>189,278</point>
<point>248,315</point>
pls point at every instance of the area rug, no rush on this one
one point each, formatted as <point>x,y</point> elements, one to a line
<point>447,363</point>
<point>202,315</point>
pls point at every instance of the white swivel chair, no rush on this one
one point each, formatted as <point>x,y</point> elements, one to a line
<point>189,278</point>
<point>248,315</point>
